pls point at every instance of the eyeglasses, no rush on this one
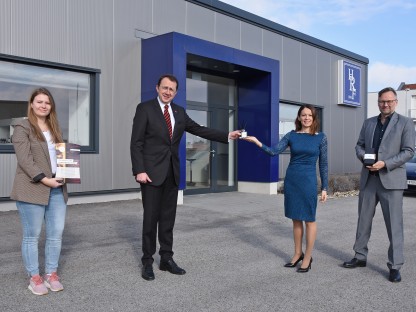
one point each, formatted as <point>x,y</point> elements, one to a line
<point>388,102</point>
<point>166,88</point>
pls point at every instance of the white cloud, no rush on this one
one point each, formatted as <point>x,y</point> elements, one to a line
<point>381,75</point>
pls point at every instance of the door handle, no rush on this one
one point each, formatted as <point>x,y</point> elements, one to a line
<point>212,153</point>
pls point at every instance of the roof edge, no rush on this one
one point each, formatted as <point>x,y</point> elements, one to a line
<point>251,18</point>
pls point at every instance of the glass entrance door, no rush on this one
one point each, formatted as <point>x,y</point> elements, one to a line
<point>210,166</point>
<point>198,154</point>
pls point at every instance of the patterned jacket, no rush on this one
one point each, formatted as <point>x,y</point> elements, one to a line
<point>33,163</point>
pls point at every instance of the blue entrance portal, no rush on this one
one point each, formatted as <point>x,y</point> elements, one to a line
<point>257,80</point>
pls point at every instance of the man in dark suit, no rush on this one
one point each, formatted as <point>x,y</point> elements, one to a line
<point>158,127</point>
<point>388,139</point>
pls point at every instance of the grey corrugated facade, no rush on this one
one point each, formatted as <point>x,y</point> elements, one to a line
<point>104,34</point>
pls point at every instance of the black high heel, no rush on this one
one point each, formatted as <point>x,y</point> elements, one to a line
<point>305,270</point>
<point>292,265</point>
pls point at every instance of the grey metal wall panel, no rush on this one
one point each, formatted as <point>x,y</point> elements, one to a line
<point>290,78</point>
<point>336,148</point>
<point>335,121</point>
<point>38,29</point>
<point>169,15</point>
<point>251,38</point>
<point>143,11</point>
<point>272,45</point>
<point>308,74</point>
<point>343,140</point>
<point>355,118</point>
<point>200,22</point>
<point>273,48</point>
<point>323,98</point>
<point>5,28</point>
<point>90,33</point>
<point>126,96</point>
<point>352,125</point>
<point>90,41</point>
<point>227,31</point>
<point>7,172</point>
<point>324,84</point>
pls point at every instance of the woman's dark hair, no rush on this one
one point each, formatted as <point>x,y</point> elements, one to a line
<point>315,123</point>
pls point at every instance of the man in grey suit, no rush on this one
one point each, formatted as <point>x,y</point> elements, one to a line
<point>389,141</point>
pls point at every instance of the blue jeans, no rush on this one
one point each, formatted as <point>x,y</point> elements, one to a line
<point>32,216</point>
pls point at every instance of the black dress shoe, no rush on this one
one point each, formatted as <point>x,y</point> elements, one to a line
<point>147,272</point>
<point>394,276</point>
<point>172,267</point>
<point>292,265</point>
<point>355,263</point>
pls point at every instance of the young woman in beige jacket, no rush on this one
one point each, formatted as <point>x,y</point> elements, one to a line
<point>39,195</point>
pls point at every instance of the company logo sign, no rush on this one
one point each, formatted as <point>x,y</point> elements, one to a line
<point>349,84</point>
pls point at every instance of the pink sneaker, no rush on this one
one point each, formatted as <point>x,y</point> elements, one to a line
<point>52,282</point>
<point>36,285</point>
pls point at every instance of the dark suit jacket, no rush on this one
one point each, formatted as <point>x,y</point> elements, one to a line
<point>151,148</point>
<point>32,161</point>
<point>396,148</point>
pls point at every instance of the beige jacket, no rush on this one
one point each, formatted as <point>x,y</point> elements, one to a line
<point>33,161</point>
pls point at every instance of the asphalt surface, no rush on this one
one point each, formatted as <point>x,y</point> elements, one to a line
<point>233,247</point>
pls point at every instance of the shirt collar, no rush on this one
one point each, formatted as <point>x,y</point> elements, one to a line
<point>387,118</point>
<point>161,103</point>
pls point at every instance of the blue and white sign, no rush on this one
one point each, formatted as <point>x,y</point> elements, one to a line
<point>349,83</point>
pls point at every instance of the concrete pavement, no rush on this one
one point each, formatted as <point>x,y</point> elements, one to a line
<point>233,247</point>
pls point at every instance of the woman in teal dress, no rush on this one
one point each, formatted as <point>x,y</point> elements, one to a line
<point>300,184</point>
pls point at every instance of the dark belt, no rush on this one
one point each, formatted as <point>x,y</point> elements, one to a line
<point>374,173</point>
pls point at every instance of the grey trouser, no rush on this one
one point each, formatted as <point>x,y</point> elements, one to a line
<point>391,202</point>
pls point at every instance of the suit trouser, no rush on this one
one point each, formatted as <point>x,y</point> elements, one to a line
<point>159,205</point>
<point>391,202</point>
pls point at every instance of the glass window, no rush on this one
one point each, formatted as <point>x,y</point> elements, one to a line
<point>209,89</point>
<point>74,91</point>
<point>287,116</point>
<point>412,110</point>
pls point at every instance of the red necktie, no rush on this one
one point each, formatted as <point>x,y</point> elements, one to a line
<point>167,119</point>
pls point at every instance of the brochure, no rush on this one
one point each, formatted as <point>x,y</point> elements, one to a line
<point>68,162</point>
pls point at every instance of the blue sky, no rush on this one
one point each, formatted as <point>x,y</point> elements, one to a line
<point>381,30</point>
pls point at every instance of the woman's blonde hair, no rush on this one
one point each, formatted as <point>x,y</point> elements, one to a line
<point>51,119</point>
<point>315,123</point>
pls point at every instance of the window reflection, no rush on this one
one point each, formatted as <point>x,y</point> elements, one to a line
<point>287,116</point>
<point>71,91</point>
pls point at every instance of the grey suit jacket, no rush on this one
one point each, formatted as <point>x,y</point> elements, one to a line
<point>396,148</point>
<point>32,160</point>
